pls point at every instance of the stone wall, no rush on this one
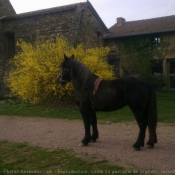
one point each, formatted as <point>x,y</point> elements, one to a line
<point>78,25</point>
<point>170,39</point>
<point>1,56</point>
<point>6,8</point>
<point>40,27</point>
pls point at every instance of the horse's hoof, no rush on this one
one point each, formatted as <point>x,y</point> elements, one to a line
<point>81,144</point>
<point>136,149</point>
<point>150,146</point>
<point>93,140</point>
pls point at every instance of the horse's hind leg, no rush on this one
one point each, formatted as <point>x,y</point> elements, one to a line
<point>152,137</point>
<point>142,123</point>
<point>94,126</point>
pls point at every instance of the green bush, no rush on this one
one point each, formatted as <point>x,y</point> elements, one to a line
<point>157,81</point>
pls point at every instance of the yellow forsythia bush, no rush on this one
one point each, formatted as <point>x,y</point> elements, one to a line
<point>34,70</point>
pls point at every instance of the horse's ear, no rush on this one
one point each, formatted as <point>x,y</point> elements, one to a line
<point>72,57</point>
<point>65,57</point>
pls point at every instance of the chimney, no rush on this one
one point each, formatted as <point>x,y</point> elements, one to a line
<point>120,21</point>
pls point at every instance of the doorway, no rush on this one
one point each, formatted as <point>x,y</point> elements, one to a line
<point>171,73</point>
<point>10,45</point>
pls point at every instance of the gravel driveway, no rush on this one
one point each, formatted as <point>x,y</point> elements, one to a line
<point>114,145</point>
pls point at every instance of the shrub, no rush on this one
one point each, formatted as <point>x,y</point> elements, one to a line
<point>158,82</point>
<point>35,68</point>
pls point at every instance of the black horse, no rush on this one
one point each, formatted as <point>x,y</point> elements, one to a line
<point>93,94</point>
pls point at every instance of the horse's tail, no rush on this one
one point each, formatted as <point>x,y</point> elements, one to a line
<point>152,118</point>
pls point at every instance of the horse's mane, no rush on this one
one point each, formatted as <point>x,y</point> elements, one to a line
<point>82,77</point>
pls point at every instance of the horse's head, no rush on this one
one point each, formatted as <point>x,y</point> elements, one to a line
<point>64,74</point>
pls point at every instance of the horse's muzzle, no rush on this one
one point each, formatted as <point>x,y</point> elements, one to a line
<point>61,81</point>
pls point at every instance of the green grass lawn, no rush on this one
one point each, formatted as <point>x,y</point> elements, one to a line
<point>165,104</point>
<point>19,158</point>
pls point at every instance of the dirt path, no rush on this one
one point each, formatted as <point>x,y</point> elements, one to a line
<point>114,144</point>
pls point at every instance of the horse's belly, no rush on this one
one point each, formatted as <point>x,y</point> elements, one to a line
<point>108,104</point>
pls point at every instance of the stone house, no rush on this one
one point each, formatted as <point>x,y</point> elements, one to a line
<point>79,23</point>
<point>158,30</point>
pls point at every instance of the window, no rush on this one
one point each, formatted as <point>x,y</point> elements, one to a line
<point>156,41</point>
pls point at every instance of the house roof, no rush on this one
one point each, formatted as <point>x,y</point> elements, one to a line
<point>142,27</point>
<point>57,9</point>
<point>43,11</point>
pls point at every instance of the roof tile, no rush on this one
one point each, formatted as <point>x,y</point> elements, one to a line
<point>140,27</point>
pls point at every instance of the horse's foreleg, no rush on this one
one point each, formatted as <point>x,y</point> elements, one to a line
<point>87,123</point>
<point>95,134</point>
<point>142,123</point>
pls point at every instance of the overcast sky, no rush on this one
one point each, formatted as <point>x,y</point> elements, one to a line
<point>108,10</point>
